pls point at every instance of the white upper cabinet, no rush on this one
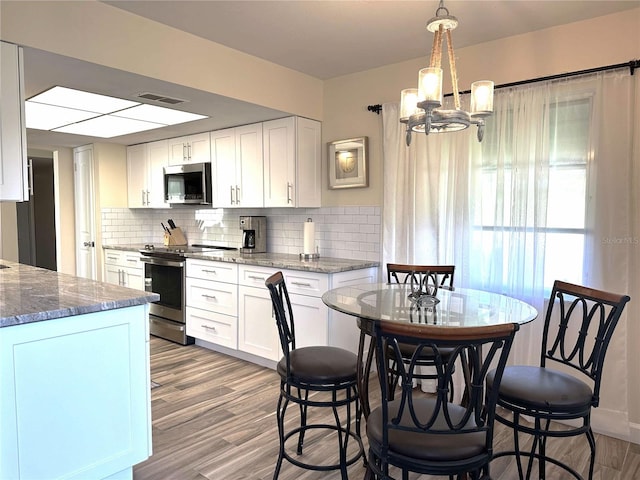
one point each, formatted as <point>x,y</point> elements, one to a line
<point>190,149</point>
<point>145,174</point>
<point>13,133</point>
<point>292,162</point>
<point>236,156</point>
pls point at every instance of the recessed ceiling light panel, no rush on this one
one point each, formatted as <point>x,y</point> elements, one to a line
<point>48,117</point>
<point>108,126</point>
<point>62,109</point>
<point>68,97</point>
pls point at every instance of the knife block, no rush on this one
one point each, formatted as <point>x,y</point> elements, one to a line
<point>175,237</point>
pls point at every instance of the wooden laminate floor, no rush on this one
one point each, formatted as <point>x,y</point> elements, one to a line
<point>214,419</point>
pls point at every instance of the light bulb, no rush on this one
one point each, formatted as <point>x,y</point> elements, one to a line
<point>430,85</point>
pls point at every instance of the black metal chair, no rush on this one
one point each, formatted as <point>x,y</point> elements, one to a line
<point>578,327</point>
<point>429,278</point>
<point>429,434</point>
<point>315,376</point>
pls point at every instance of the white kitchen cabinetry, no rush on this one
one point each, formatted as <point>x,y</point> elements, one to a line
<point>190,149</point>
<point>292,162</point>
<point>212,302</point>
<point>257,330</point>
<point>13,134</point>
<point>145,174</point>
<point>237,167</point>
<point>76,401</point>
<point>123,268</point>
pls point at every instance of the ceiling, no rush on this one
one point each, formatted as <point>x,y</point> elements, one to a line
<point>322,38</point>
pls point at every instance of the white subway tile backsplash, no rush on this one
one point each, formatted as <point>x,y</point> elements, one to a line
<point>341,232</point>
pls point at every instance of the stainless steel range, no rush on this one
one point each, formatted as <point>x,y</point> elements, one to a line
<point>164,274</point>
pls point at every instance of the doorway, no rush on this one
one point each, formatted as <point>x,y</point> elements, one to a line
<point>36,217</point>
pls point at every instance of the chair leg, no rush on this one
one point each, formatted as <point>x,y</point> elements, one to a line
<point>592,445</point>
<point>342,441</point>
<point>282,408</point>
<point>303,419</point>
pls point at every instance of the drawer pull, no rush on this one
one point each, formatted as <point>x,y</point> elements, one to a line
<point>253,277</point>
<point>208,327</point>
<point>301,284</point>
<point>112,258</point>
<point>132,260</point>
<point>209,271</point>
<point>211,297</point>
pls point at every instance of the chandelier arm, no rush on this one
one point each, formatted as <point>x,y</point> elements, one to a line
<point>454,72</point>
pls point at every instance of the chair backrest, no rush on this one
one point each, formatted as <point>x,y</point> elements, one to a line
<point>283,312</point>
<point>440,276</point>
<point>579,324</point>
<point>484,348</point>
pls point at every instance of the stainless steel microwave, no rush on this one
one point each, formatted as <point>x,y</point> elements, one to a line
<point>189,183</point>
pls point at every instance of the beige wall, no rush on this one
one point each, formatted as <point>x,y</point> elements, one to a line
<point>566,48</point>
<point>65,213</point>
<point>98,33</point>
<point>8,231</point>
<point>110,180</point>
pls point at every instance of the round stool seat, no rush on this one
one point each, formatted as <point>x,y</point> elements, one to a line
<point>320,365</point>
<point>542,388</point>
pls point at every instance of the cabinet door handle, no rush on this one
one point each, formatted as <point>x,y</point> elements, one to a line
<point>143,198</point>
<point>189,151</point>
<point>147,197</point>
<point>289,192</point>
<point>231,189</point>
<point>120,277</point>
<point>184,152</point>
<point>30,184</point>
<point>301,284</point>
<point>237,195</point>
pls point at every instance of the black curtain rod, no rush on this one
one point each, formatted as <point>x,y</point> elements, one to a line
<point>632,65</point>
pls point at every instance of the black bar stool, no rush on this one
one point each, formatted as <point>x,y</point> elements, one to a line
<point>317,376</point>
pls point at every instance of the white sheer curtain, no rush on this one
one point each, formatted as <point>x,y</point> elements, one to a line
<point>498,209</point>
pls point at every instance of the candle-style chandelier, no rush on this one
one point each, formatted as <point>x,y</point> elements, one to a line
<point>420,107</point>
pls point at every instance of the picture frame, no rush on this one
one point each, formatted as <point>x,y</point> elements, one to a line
<point>347,161</point>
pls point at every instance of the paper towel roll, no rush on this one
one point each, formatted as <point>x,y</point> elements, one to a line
<point>309,237</point>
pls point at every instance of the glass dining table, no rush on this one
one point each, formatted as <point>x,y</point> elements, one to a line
<point>450,309</point>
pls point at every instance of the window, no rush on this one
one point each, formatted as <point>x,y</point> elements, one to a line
<point>533,209</point>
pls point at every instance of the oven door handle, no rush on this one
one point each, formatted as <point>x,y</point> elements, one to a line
<point>161,261</point>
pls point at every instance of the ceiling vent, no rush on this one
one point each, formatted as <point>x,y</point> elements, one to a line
<point>160,98</point>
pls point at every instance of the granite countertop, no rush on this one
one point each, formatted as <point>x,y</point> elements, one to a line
<point>275,260</point>
<point>30,294</point>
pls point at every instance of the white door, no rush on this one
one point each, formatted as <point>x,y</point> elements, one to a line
<point>84,210</point>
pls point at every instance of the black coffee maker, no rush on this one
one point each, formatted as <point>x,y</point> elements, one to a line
<point>254,234</point>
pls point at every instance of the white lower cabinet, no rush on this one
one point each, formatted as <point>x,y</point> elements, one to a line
<point>123,268</point>
<point>257,331</point>
<point>235,309</point>
<point>212,302</point>
<point>76,401</point>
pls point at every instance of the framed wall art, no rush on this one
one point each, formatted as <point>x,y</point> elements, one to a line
<point>348,163</point>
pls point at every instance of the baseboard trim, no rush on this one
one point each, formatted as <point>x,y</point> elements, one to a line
<point>612,423</point>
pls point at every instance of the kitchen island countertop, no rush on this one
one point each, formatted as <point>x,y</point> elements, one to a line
<point>275,260</point>
<point>30,294</point>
